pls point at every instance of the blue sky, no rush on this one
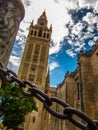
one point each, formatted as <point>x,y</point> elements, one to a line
<point>75,27</point>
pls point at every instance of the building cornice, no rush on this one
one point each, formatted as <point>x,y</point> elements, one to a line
<point>89,53</point>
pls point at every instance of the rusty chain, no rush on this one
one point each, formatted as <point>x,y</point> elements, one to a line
<point>68,112</point>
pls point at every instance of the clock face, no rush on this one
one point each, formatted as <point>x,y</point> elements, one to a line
<point>42,23</point>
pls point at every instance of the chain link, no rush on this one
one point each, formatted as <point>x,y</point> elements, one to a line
<point>29,89</point>
<point>53,112</point>
<point>91,124</point>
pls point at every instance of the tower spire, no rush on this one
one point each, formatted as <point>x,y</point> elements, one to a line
<point>42,20</point>
<point>44,13</point>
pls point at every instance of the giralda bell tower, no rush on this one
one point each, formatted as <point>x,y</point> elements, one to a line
<point>34,62</point>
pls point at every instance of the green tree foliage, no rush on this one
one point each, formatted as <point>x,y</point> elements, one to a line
<point>14,106</point>
<point>1,125</point>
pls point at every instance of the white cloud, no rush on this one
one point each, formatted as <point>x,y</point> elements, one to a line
<point>70,53</point>
<point>15,60</point>
<point>71,4</point>
<point>90,18</point>
<point>53,65</point>
<point>97,26</point>
<point>96,6</point>
<point>77,28</point>
<point>66,32</point>
<point>95,19</point>
<point>14,63</point>
<point>14,53</point>
<point>91,43</point>
<point>54,49</point>
<point>79,46</point>
<point>87,3</point>
<point>95,38</point>
<point>70,42</point>
<point>91,28</point>
<point>77,4</point>
<point>87,35</point>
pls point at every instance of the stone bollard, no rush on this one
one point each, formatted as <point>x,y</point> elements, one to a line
<point>11,14</point>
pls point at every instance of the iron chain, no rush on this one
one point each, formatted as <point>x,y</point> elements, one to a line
<point>68,112</point>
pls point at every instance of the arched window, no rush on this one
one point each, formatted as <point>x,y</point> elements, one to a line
<point>35,33</point>
<point>40,33</point>
<point>33,68</point>
<point>31,32</point>
<point>33,119</point>
<point>44,35</point>
<point>48,35</point>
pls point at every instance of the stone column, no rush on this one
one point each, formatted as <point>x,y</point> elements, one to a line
<point>11,14</point>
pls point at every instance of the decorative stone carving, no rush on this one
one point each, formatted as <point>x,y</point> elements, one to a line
<point>11,13</point>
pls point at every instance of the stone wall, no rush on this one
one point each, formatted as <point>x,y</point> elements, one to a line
<point>80,89</point>
<point>94,63</point>
<point>88,86</point>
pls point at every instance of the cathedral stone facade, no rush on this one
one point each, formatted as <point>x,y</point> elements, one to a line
<point>11,14</point>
